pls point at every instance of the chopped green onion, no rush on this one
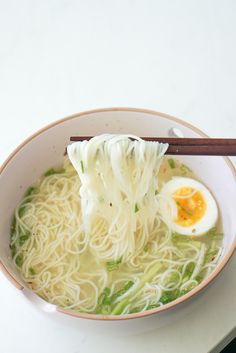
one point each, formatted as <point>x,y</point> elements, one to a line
<point>12,246</point>
<point>107,291</point>
<point>168,297</point>
<point>185,169</point>
<point>181,240</point>
<point>22,210</point>
<point>156,192</point>
<point>13,226</point>
<point>120,306</point>
<point>104,297</point>
<point>82,166</point>
<point>146,247</point>
<point>113,265</point>
<point>122,291</point>
<point>104,302</point>
<point>152,306</point>
<point>31,190</point>
<point>105,309</point>
<point>50,171</point>
<point>171,163</point>
<point>19,260</point>
<point>32,271</point>
<point>13,250</point>
<point>23,238</point>
<point>188,271</point>
<point>136,208</point>
<point>183,292</point>
<point>200,276</point>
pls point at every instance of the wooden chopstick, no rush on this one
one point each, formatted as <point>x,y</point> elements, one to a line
<point>189,146</point>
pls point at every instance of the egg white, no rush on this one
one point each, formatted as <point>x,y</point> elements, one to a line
<point>169,209</point>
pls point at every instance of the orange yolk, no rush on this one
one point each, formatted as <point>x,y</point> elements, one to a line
<point>190,209</point>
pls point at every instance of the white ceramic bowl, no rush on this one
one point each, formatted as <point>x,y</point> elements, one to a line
<point>45,149</point>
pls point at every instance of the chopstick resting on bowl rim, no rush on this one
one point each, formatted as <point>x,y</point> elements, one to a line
<point>189,146</point>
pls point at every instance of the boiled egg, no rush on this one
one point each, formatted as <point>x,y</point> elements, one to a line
<point>187,206</point>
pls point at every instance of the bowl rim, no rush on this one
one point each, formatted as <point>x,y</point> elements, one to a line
<point>165,307</point>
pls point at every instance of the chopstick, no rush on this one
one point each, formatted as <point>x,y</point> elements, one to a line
<point>189,146</point>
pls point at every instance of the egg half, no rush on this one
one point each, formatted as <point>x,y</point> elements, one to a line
<point>187,206</point>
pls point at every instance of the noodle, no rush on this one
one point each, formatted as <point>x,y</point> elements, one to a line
<point>128,168</point>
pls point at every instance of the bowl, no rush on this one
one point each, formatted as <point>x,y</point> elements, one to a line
<point>46,147</point>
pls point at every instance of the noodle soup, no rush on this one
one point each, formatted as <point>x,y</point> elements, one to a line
<point>83,242</point>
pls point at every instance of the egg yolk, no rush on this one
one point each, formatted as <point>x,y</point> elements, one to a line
<point>190,209</point>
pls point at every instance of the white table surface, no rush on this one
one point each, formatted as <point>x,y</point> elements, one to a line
<point>60,57</point>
